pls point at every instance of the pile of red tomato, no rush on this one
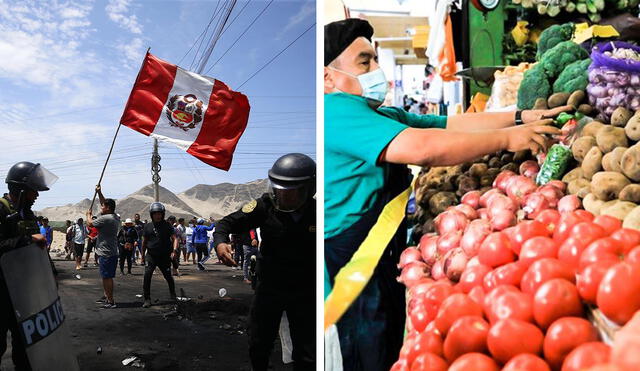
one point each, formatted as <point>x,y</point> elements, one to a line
<point>519,302</point>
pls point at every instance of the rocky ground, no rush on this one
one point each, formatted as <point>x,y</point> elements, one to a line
<point>208,332</point>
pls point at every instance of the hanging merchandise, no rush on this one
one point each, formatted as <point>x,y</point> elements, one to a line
<point>447,66</point>
<point>438,35</point>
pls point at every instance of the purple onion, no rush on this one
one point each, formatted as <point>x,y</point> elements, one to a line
<point>635,80</point>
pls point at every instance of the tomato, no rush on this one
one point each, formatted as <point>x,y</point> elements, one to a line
<point>589,280</point>
<point>628,237</point>
<point>508,274</point>
<point>428,362</point>
<point>509,337</point>
<point>584,215</point>
<point>542,271</point>
<point>467,334</point>
<point>554,299</point>
<point>420,288</point>
<point>472,277</point>
<point>619,292</point>
<point>495,250</point>
<point>570,252</point>
<point>604,249</point>
<point>633,256</point>
<point>564,335</point>
<point>565,224</point>
<point>400,365</point>
<point>491,296</point>
<point>477,294</point>
<point>549,218</point>
<point>525,231</point>
<point>588,231</point>
<point>454,307</point>
<point>475,362</point>
<point>526,362</point>
<point>511,304</point>
<point>537,248</point>
<point>427,341</point>
<point>408,343</point>
<point>586,355</point>
<point>608,223</point>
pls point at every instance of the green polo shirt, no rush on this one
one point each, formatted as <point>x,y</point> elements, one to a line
<point>354,137</point>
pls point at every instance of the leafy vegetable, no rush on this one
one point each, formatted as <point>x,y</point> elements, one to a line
<point>535,84</point>
<point>574,77</point>
<point>555,60</point>
<point>554,35</point>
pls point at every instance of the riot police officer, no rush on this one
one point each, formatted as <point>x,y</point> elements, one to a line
<point>18,229</point>
<point>286,217</point>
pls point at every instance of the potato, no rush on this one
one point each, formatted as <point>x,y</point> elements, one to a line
<point>611,161</point>
<point>606,185</point>
<point>576,185</point>
<point>572,175</point>
<point>429,226</point>
<point>521,156</point>
<point>584,191</point>
<point>620,116</point>
<point>466,184</point>
<point>423,195</point>
<point>441,201</point>
<point>478,170</point>
<point>540,103</point>
<point>630,193</point>
<point>506,158</point>
<point>592,162</point>
<point>632,127</point>
<point>610,137</point>
<point>495,162</point>
<point>558,99</point>
<point>591,129</point>
<point>576,98</point>
<point>618,210</point>
<point>581,146</point>
<point>632,220</point>
<point>493,172</point>
<point>630,163</point>
<point>585,109</point>
<point>510,166</point>
<point>592,204</point>
<point>486,180</point>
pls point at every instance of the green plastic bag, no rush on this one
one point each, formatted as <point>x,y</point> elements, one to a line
<point>555,164</point>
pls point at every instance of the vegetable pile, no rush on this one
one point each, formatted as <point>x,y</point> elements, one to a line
<point>593,9</point>
<point>505,280</point>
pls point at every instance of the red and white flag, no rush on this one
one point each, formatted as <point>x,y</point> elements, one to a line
<point>198,114</point>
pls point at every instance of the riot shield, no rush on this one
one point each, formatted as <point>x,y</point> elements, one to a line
<point>38,309</point>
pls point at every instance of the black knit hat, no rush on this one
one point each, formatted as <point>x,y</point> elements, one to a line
<point>339,35</point>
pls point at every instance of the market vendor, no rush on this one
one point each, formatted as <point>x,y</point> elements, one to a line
<point>367,148</point>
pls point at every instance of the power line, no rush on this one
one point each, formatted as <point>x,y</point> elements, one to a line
<point>242,34</point>
<point>201,35</point>
<point>215,13</point>
<point>276,56</point>
<point>207,54</point>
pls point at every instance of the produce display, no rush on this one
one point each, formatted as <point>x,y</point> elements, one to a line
<point>504,92</point>
<point>593,9</point>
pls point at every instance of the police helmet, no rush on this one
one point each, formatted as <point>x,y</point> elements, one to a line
<point>200,221</point>
<point>292,181</point>
<point>156,207</point>
<point>27,175</point>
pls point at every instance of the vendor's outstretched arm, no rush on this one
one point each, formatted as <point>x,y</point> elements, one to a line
<point>436,147</point>
<point>499,120</point>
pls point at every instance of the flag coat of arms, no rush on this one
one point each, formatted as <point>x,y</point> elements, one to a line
<point>198,114</point>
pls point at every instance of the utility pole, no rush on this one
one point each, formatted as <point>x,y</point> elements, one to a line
<point>155,170</point>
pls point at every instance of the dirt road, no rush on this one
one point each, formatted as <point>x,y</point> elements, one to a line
<point>206,333</point>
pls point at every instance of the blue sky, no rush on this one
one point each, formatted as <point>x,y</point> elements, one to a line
<point>66,71</point>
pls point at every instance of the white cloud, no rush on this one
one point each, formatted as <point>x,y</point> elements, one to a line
<point>134,51</point>
<point>118,11</point>
<point>308,9</point>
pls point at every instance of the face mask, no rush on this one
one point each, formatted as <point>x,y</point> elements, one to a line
<point>373,84</point>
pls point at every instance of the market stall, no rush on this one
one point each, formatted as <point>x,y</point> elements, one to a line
<point>523,262</point>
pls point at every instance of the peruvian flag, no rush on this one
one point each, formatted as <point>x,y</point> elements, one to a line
<point>198,114</point>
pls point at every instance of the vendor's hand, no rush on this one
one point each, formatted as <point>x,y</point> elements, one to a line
<point>39,240</point>
<point>531,116</point>
<point>225,253</point>
<point>519,138</point>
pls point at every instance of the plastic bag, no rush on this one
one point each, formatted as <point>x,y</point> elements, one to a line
<point>613,82</point>
<point>504,92</point>
<point>555,164</point>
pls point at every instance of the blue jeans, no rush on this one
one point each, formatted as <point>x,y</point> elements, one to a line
<point>248,252</point>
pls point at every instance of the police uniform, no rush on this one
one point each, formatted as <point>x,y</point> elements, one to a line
<point>14,234</point>
<point>285,277</point>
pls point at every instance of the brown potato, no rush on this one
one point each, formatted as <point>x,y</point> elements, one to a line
<point>478,170</point>
<point>591,129</point>
<point>510,166</point>
<point>592,204</point>
<point>620,116</point>
<point>441,201</point>
<point>572,175</point>
<point>592,162</point>
<point>585,109</point>
<point>632,127</point>
<point>611,161</point>
<point>632,220</point>
<point>540,103</point>
<point>619,210</point>
<point>630,163</point>
<point>610,137</point>
<point>606,185</point>
<point>558,99</point>
<point>521,156</point>
<point>577,185</point>
<point>630,193</point>
<point>576,98</point>
<point>581,146</point>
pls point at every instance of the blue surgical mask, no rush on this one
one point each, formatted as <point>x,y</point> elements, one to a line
<point>374,84</point>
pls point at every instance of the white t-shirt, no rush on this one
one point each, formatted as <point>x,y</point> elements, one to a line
<point>188,231</point>
<point>79,234</point>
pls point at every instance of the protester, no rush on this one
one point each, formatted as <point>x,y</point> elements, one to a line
<point>238,252</point>
<point>175,261</point>
<point>199,239</point>
<point>92,235</point>
<point>79,234</point>
<point>248,241</point>
<point>286,267</point>
<point>138,250</point>
<point>191,249</point>
<point>181,233</point>
<point>127,240</point>
<point>160,245</point>
<point>68,245</point>
<point>47,232</point>
<point>108,225</point>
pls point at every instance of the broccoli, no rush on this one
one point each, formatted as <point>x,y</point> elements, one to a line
<point>555,60</point>
<point>534,85</point>
<point>553,35</point>
<point>574,77</point>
